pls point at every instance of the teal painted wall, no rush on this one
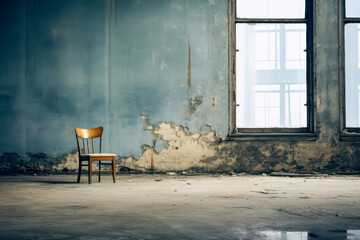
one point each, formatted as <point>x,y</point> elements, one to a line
<point>89,63</point>
<point>153,73</point>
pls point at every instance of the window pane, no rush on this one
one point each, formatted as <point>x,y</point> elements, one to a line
<point>352,8</point>
<point>352,74</point>
<point>271,75</point>
<point>270,9</point>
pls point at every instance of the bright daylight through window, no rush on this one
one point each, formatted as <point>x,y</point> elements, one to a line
<point>352,64</point>
<point>271,64</point>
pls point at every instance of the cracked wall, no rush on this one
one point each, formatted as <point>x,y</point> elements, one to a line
<point>155,75</point>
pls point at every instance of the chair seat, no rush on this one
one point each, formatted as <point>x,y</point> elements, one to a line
<point>99,155</point>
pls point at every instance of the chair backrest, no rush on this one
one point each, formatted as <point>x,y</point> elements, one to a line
<point>86,134</point>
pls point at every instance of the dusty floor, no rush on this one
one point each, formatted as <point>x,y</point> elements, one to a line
<point>180,207</point>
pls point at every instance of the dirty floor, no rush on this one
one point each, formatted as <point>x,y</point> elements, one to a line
<point>180,207</point>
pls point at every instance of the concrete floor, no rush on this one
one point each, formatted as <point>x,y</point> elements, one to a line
<point>180,207</point>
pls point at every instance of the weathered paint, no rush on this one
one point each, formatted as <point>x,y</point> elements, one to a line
<point>184,150</point>
<point>68,63</point>
<point>155,75</point>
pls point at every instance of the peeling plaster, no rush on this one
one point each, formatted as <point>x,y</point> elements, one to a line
<point>204,152</point>
<point>71,162</point>
<point>183,150</point>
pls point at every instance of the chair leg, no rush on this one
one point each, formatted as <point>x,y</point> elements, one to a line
<point>99,170</point>
<point>113,169</point>
<point>79,171</point>
<point>90,171</point>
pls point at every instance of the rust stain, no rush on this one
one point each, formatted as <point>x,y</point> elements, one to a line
<point>189,72</point>
<point>152,158</point>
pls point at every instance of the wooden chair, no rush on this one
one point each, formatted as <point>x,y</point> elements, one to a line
<point>86,156</point>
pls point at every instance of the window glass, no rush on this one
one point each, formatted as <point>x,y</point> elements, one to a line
<point>352,8</point>
<point>271,75</point>
<point>270,8</point>
<point>352,74</point>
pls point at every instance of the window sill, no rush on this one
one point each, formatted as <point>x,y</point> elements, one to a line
<point>272,137</point>
<point>349,136</point>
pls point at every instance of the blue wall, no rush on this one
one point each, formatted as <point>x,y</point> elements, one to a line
<point>89,63</point>
<point>131,65</point>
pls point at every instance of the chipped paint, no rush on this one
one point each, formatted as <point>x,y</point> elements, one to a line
<point>214,101</point>
<point>184,150</point>
<point>192,105</point>
<point>71,162</point>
